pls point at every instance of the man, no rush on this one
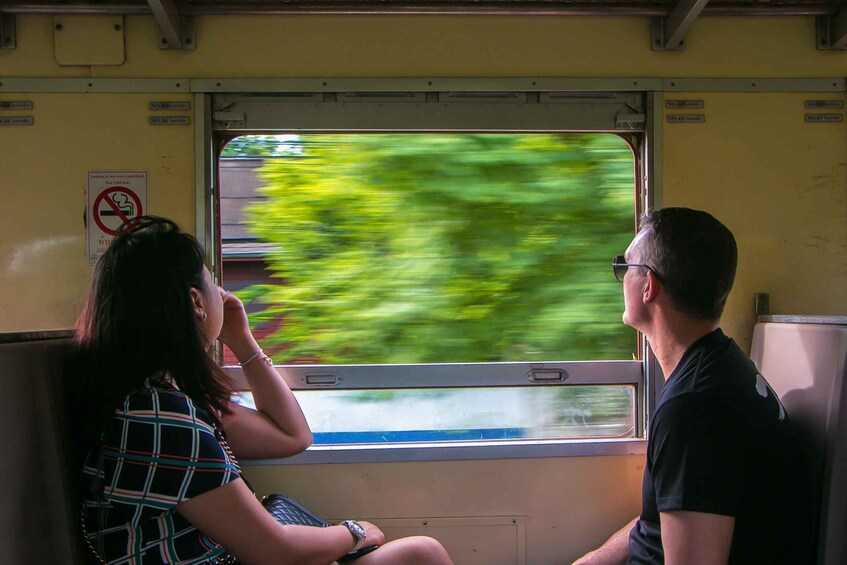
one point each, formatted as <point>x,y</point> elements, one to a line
<point>722,483</point>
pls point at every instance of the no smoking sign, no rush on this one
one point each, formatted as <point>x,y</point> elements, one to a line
<point>114,197</point>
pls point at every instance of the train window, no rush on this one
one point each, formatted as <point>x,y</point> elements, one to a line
<point>436,286</point>
<point>468,414</point>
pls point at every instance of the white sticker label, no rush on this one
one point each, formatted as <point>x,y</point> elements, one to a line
<point>23,121</point>
<point>686,118</point>
<point>823,104</point>
<point>154,106</point>
<point>113,198</point>
<point>17,105</point>
<point>696,104</point>
<point>169,121</point>
<point>830,118</point>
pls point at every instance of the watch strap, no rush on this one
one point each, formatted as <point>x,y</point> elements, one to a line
<point>358,533</point>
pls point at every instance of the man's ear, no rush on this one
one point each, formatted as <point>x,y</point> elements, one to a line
<point>652,287</point>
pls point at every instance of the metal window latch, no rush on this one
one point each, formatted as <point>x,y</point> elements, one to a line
<point>325,379</point>
<point>547,375</point>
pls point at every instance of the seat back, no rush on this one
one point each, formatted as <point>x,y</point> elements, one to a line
<point>804,359</point>
<point>38,521</point>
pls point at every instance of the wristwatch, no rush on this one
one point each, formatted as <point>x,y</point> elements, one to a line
<point>357,531</point>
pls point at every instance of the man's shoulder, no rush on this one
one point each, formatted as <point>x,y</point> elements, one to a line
<point>718,368</point>
<point>723,395</point>
<point>695,409</point>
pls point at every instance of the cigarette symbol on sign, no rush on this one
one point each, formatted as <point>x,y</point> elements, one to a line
<point>115,206</point>
<point>123,207</point>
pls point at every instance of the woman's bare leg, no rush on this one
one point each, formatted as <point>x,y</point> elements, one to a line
<point>415,550</point>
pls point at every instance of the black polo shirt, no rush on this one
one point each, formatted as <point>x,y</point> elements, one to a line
<point>720,443</point>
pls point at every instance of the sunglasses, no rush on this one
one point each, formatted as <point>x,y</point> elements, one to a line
<point>619,267</point>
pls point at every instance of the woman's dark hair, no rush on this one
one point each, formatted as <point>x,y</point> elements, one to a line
<point>139,323</point>
<point>695,256</point>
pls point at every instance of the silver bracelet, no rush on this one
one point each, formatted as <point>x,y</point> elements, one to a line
<point>252,358</point>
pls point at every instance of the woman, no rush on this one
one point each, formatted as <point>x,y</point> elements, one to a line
<point>158,485</point>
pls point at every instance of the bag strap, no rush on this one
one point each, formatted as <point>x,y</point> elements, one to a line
<point>90,545</point>
<point>231,455</point>
<point>229,452</point>
<point>229,559</point>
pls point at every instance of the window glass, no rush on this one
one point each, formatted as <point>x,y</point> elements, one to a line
<point>470,414</point>
<point>429,248</point>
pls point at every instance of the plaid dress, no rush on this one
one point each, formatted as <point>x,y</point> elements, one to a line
<point>161,449</point>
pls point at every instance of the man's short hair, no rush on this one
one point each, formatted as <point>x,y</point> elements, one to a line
<point>695,256</point>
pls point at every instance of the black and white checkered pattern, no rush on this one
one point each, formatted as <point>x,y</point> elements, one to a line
<point>161,450</point>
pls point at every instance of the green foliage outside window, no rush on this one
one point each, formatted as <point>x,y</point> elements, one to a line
<point>426,248</point>
<point>253,146</point>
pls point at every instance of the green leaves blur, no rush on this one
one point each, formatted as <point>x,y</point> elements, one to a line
<point>422,248</point>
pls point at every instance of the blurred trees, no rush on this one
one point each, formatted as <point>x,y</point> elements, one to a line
<point>422,248</point>
<point>260,146</point>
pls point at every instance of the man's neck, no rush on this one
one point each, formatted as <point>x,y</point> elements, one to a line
<point>671,338</point>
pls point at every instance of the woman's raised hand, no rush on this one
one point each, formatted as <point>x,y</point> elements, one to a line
<point>235,331</point>
<point>277,428</point>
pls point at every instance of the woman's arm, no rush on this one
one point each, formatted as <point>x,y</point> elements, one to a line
<point>232,516</point>
<point>277,428</point>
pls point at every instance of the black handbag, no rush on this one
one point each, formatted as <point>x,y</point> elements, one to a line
<point>288,512</point>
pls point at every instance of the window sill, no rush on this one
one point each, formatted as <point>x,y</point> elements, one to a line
<point>458,451</point>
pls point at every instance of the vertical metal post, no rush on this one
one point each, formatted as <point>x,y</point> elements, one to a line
<point>654,380</point>
<point>205,229</point>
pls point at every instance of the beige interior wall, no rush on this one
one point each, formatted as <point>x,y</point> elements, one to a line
<point>773,173</point>
<point>780,184</point>
<point>572,503</point>
<point>450,46</point>
<point>44,269</point>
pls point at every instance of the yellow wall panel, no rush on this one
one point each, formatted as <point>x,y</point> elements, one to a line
<point>753,161</point>
<point>556,493</point>
<point>34,54</point>
<point>43,264</point>
<point>779,184</point>
<point>489,46</point>
<point>89,40</point>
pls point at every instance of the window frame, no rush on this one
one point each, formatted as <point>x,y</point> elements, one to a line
<point>464,376</point>
<point>473,105</point>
